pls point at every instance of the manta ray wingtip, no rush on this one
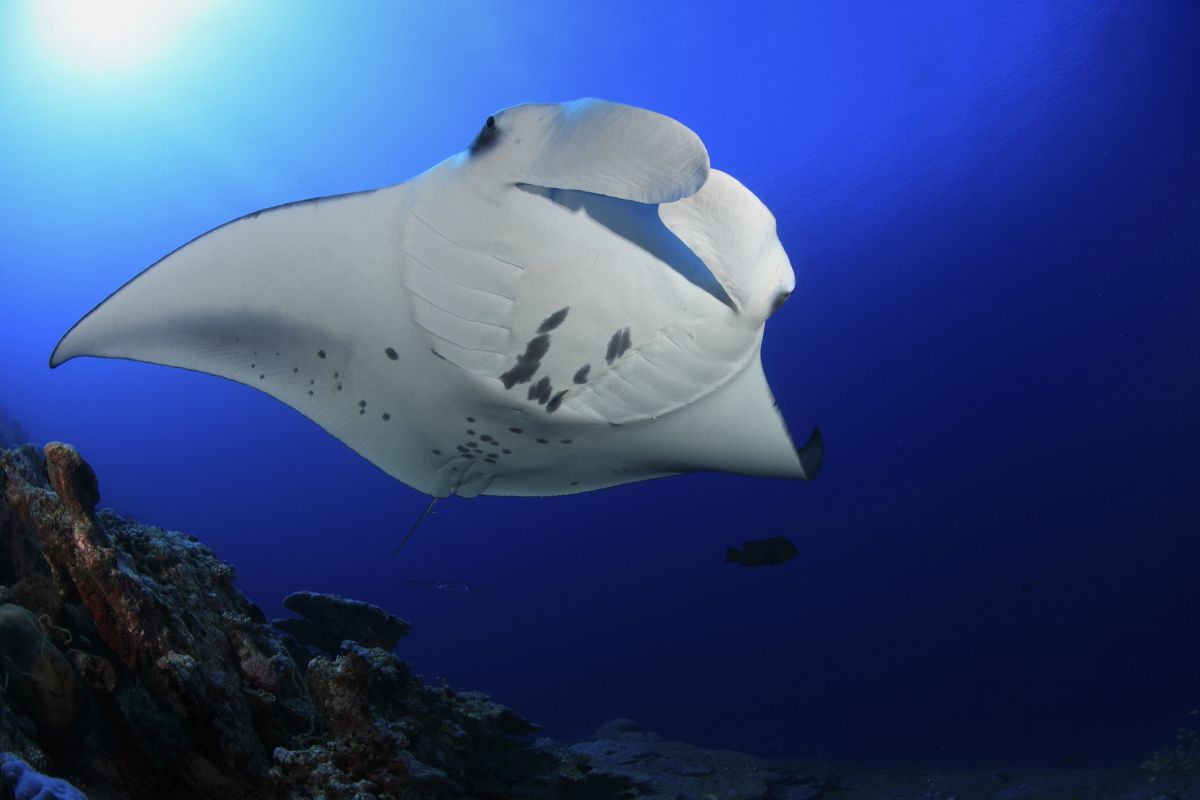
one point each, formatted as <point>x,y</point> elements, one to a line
<point>55,357</point>
<point>62,352</point>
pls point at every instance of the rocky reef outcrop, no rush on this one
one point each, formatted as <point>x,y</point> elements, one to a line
<point>327,620</point>
<point>131,666</point>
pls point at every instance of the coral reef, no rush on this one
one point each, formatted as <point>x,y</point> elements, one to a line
<point>131,666</point>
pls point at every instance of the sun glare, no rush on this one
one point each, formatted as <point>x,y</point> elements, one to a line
<point>111,35</point>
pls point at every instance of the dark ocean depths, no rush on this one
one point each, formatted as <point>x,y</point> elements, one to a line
<point>994,217</point>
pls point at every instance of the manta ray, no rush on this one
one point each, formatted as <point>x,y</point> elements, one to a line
<point>575,301</point>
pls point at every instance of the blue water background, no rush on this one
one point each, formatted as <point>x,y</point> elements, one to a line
<point>994,215</point>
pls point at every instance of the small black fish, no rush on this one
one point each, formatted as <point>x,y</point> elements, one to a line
<point>762,552</point>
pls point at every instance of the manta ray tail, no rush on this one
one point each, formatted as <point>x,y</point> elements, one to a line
<point>416,525</point>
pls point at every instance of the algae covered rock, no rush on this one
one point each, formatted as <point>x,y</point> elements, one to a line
<point>37,679</point>
<point>165,656</point>
<point>357,756</point>
<point>174,685</point>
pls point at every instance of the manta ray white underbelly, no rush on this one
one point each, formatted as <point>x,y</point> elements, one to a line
<point>575,301</point>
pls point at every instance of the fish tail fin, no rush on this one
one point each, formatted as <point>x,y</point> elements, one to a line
<point>732,555</point>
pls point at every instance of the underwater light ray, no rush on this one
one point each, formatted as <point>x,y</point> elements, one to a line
<point>117,35</point>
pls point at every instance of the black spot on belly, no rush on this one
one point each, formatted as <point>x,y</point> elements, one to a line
<point>581,375</point>
<point>527,362</point>
<point>540,391</point>
<point>574,483</point>
<point>566,441</point>
<point>320,354</point>
<point>543,441</point>
<point>339,387</point>
<point>362,403</point>
<point>253,366</point>
<point>437,452</point>
<point>295,369</point>
<point>555,402</point>
<point>391,353</point>
<point>310,391</point>
<point>506,451</point>
<point>485,437</point>
<point>554,320</point>
<point>470,419</point>
<point>470,431</point>
<point>261,376</point>
<point>618,343</point>
<point>386,416</point>
<point>462,449</point>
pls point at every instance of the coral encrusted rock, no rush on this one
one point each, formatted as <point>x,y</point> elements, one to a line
<point>132,666</point>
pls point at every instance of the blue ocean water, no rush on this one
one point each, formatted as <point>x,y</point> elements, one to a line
<point>994,217</point>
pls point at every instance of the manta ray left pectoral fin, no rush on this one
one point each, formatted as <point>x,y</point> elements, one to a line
<point>304,302</point>
<point>256,281</point>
